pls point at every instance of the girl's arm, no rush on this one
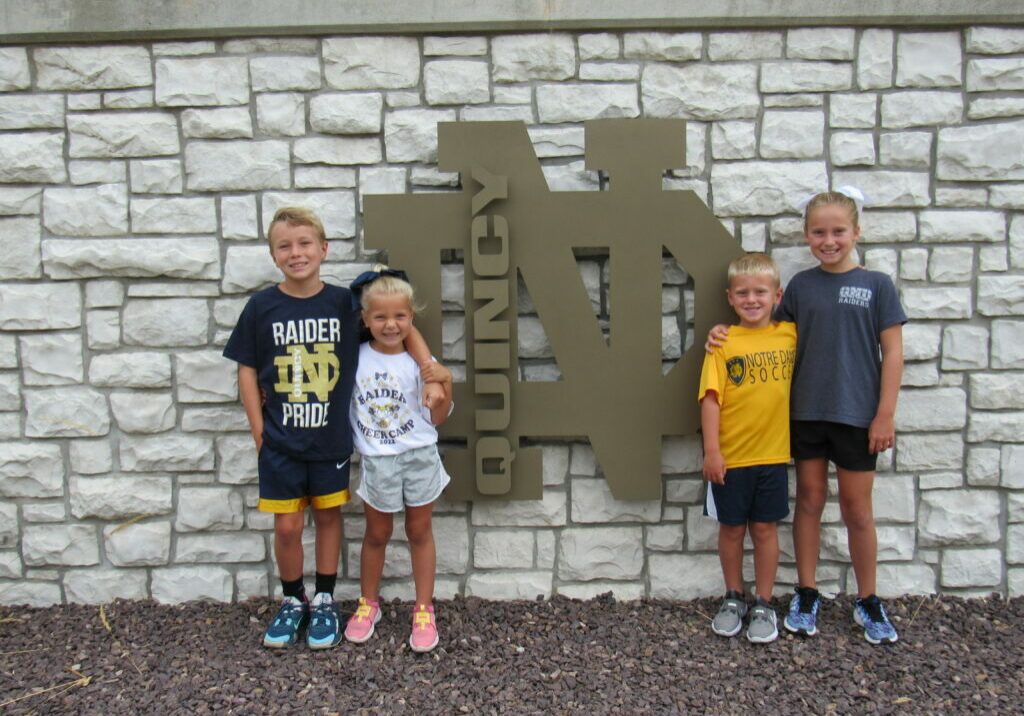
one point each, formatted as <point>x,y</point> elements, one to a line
<point>882,431</point>
<point>710,418</point>
<point>249,390</point>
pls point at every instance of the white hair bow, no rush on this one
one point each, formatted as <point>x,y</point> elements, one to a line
<point>846,190</point>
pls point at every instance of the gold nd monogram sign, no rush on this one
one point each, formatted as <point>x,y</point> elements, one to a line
<point>506,222</point>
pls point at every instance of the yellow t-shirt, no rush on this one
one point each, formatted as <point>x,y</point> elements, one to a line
<point>751,375</point>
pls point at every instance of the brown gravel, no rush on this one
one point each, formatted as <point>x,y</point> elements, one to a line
<point>554,656</point>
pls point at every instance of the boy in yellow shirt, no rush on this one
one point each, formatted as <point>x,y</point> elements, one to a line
<point>744,398</point>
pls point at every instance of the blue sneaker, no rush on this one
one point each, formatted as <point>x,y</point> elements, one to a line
<point>869,613</point>
<point>290,619</point>
<point>803,612</point>
<point>323,630</point>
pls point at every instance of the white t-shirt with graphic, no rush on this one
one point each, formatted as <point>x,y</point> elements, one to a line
<point>387,413</point>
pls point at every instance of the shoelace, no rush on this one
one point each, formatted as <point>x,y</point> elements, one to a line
<point>363,611</point>
<point>806,602</point>
<point>421,618</point>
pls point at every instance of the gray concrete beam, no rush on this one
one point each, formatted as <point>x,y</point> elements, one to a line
<point>79,20</point>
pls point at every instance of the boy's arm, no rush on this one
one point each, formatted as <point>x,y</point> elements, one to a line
<point>882,431</point>
<point>432,372</point>
<point>440,408</point>
<point>249,390</point>
<point>710,420</point>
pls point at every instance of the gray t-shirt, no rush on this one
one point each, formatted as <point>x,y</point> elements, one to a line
<point>839,318</point>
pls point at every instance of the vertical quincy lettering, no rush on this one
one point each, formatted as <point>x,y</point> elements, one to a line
<point>489,254</point>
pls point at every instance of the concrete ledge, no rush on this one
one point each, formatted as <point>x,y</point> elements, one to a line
<point>74,20</point>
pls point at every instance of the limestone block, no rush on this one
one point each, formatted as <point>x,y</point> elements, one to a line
<point>997,427</point>
<point>346,113</point>
<point>542,56</point>
<point>1000,296</point>
<point>995,40</point>
<point>138,544</point>
<point>555,464</point>
<point>221,548</point>
<point>792,134</point>
<point>174,585</point>
<point>874,59</point>
<point>90,171</point>
<point>995,73</point>
<point>31,469</point>
<point>177,258</point>
<point>14,70</point>
<point>933,303</point>
<point>273,46</point>
<point>821,43</point>
<point>213,419</point>
<point>888,188</point>
<point>371,62</point>
<point>90,457</point>
<point>799,76</point>
<point>1007,344</point>
<point>964,347</point>
<point>991,107</point>
<point>36,111</point>
<point>207,81</point>
<point>916,453</point>
<point>664,537</point>
<point>550,511</point>
<point>33,594</point>
<point>920,375</point>
<point>575,103</point>
<point>166,322</point>
<point>592,501</point>
<point>122,134</point>
<point>684,576</point>
<point>174,216</point>
<point>921,108</point>
<point>896,580</point>
<point>220,123</point>
<point>972,568</point>
<point>26,201</point>
<point>452,539</point>
<point>65,412</point>
<point>932,409</point>
<point>928,59</point>
<point>336,209</point>
<point>598,46</point>
<point>155,176</point>
<point>982,467</point>
<point>700,91</point>
<point>10,565</point>
<point>205,377</point>
<point>996,391</point>
<point>20,248</point>
<point>410,135</point>
<point>949,517</point>
<point>610,71</point>
<point>131,370</point>
<point>533,341</point>
<point>906,150</point>
<point>725,46</point>
<point>10,392</point>
<point>101,586</point>
<point>981,152</point>
<point>247,268</point>
<point>238,217</point>
<point>570,177</point>
<point>237,165</point>
<point>119,497</point>
<point>86,211</point>
<point>143,413</point>
<point>671,338</point>
<point>251,584</point>
<point>85,101</point>
<point>281,114</point>
<point>167,453</point>
<point>852,148</point>
<point>208,508</point>
<point>59,545</point>
<point>338,150</point>
<point>600,553</point>
<point>557,141</point>
<point>1015,544</point>
<point>504,549</point>
<point>33,157</point>
<point>9,527</point>
<point>185,49</point>
<point>662,46</point>
<point>733,140</point>
<point>765,188</point>
<point>681,455</point>
<point>888,226</point>
<point>948,225</point>
<point>456,82</point>
<point>509,585</point>
<point>454,45</point>
<point>128,99</point>
<point>92,67</point>
<point>685,491</point>
<point>1011,468</point>
<point>236,457</point>
<point>276,74</point>
<point>51,358</point>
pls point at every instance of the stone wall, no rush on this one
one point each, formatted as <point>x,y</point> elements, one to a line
<point>135,185</point>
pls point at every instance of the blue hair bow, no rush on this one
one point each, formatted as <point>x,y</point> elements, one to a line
<point>367,277</point>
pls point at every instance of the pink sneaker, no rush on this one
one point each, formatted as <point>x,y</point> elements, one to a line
<point>360,626</point>
<point>424,629</point>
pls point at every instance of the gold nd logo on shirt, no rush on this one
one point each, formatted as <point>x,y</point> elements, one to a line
<point>300,374</point>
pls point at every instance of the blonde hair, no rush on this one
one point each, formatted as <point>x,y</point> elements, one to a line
<point>754,265</point>
<point>296,216</point>
<point>388,286</point>
<point>832,197</point>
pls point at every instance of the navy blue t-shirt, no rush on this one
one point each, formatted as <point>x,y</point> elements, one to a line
<point>305,352</point>
<point>839,319</point>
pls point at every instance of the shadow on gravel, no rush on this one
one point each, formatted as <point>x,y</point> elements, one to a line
<point>552,656</point>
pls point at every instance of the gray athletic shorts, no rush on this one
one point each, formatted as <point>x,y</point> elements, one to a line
<point>410,479</point>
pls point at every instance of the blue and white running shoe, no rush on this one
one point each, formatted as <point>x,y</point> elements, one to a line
<point>803,612</point>
<point>869,613</point>
<point>289,621</point>
<point>323,632</point>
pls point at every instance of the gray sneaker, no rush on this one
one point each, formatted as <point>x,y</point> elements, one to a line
<point>763,627</point>
<point>729,619</point>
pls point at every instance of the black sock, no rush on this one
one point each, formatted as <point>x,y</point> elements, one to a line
<point>294,588</point>
<point>325,583</point>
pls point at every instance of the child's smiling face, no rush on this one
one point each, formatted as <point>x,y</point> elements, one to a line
<point>389,318</point>
<point>753,296</point>
<point>831,234</point>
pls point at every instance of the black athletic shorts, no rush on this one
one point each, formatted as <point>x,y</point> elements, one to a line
<point>845,445</point>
